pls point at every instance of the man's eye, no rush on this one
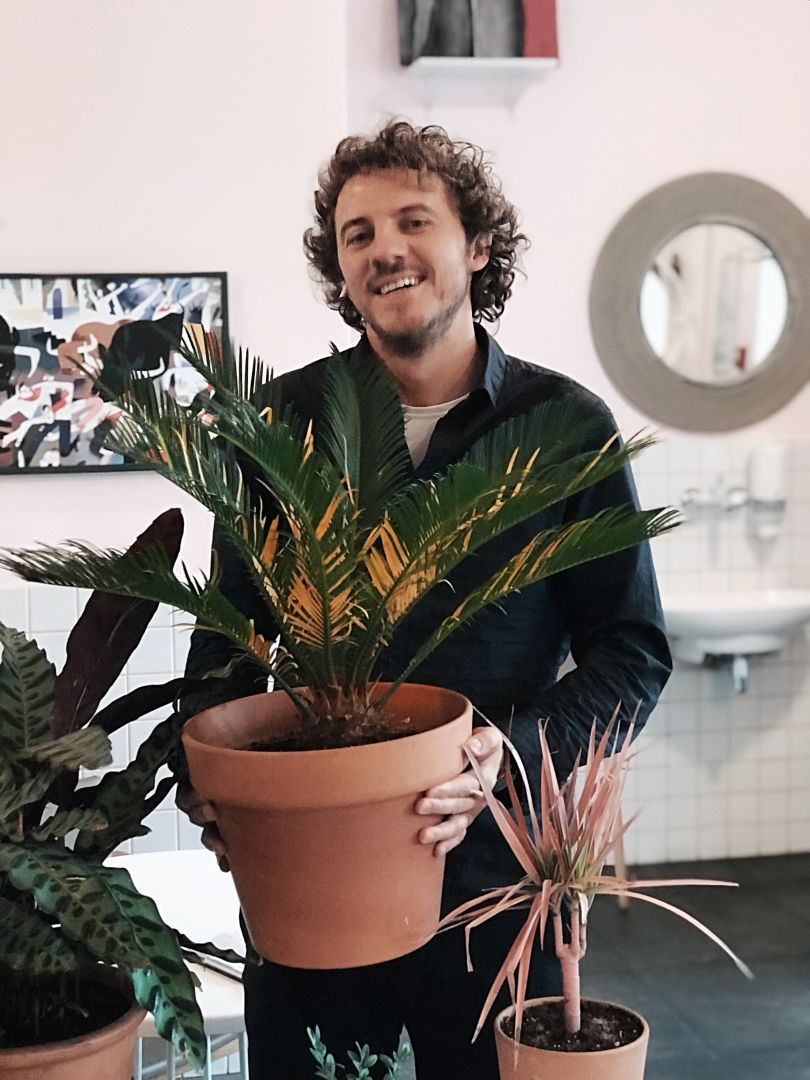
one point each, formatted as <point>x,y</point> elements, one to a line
<point>356,238</point>
<point>416,223</point>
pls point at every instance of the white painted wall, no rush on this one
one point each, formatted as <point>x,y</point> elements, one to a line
<point>165,136</point>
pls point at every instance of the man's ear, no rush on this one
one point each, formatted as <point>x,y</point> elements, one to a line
<point>481,248</point>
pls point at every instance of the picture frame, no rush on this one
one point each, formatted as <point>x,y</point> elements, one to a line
<point>52,418</point>
<point>481,29</point>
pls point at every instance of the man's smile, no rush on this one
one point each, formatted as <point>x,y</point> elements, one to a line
<point>399,284</point>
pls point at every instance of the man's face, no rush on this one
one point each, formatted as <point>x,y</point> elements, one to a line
<point>404,257</point>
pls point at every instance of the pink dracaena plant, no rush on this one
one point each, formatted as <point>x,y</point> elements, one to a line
<point>563,854</point>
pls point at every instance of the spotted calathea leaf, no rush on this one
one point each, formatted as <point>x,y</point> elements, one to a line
<point>15,793</point>
<point>165,987</point>
<point>26,692</point>
<point>124,797</point>
<point>29,943</point>
<point>89,748</point>
<point>65,821</point>
<point>71,890</point>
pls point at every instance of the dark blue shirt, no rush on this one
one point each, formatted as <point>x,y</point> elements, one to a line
<point>606,614</point>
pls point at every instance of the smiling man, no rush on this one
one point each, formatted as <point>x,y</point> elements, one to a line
<point>415,245</point>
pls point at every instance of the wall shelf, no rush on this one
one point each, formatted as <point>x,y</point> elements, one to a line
<point>477,80</point>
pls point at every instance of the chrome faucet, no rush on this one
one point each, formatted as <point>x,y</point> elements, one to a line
<point>719,498</point>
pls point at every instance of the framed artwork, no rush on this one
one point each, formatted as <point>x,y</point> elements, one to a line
<point>481,28</point>
<point>51,415</point>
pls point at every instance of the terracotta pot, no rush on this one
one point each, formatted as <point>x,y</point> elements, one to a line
<point>620,1063</point>
<point>323,843</point>
<point>106,1054</point>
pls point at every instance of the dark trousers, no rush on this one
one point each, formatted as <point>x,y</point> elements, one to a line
<point>430,992</point>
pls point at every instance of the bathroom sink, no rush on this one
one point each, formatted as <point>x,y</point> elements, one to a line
<point>734,623</point>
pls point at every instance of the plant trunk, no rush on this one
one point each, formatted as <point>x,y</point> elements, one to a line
<point>570,953</point>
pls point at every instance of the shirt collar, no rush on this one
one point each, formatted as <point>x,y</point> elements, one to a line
<point>495,361</point>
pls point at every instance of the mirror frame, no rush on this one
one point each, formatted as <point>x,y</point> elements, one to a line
<point>615,308</point>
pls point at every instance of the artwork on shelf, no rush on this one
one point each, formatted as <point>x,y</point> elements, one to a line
<point>480,28</point>
<point>51,328</point>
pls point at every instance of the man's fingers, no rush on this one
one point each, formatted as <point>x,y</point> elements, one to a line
<point>484,742</point>
<point>212,840</point>
<point>464,786</point>
<point>447,834</point>
<point>198,810</point>
<point>459,805</point>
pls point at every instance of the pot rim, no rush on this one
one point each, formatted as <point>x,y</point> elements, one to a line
<point>609,1050</point>
<point>404,740</point>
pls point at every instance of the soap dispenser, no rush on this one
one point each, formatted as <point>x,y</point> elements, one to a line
<point>766,487</point>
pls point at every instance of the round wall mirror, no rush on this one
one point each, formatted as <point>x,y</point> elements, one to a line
<point>700,302</point>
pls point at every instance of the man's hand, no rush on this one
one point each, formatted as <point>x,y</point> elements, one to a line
<point>204,814</point>
<point>461,799</point>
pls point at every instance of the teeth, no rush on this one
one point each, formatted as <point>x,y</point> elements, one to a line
<point>394,285</point>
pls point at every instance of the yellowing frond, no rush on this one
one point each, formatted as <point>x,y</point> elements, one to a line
<point>309,442</point>
<point>259,645</point>
<point>329,513</point>
<point>270,544</point>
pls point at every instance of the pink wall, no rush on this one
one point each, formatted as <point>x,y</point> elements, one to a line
<point>177,136</point>
<point>646,91</point>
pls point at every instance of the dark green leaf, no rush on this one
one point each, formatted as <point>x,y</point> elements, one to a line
<point>88,749</point>
<point>107,633</point>
<point>30,944</point>
<point>26,691</point>
<point>122,797</point>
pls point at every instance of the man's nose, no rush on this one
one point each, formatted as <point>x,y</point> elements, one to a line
<point>387,249</point>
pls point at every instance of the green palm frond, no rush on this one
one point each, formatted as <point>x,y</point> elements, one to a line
<point>612,530</point>
<point>150,576</point>
<point>362,433</point>
<point>235,372</point>
<point>431,528</point>
<point>297,480</point>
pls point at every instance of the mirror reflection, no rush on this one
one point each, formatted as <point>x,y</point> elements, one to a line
<point>714,303</point>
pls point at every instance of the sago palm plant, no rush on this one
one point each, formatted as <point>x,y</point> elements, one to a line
<point>339,537</point>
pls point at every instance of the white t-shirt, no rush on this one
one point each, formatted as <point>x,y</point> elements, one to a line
<point>420,420</point>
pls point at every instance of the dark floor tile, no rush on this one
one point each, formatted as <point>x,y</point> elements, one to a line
<point>674,1069</point>
<point>732,1014</point>
<point>669,1033</point>
<point>774,1064</point>
<point>775,868</point>
<point>706,1020</point>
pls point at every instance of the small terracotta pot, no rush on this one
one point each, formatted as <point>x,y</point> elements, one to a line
<point>619,1063</point>
<point>106,1054</point>
<point>323,843</point>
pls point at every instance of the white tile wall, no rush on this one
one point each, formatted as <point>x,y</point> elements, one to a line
<point>738,766</point>
<point>717,773</point>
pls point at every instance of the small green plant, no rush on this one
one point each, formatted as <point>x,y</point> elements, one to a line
<point>362,1062</point>
<point>62,911</point>
<point>563,853</point>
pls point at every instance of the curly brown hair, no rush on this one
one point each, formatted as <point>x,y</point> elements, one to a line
<point>475,192</point>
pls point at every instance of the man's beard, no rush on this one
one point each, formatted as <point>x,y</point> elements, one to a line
<point>418,339</point>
